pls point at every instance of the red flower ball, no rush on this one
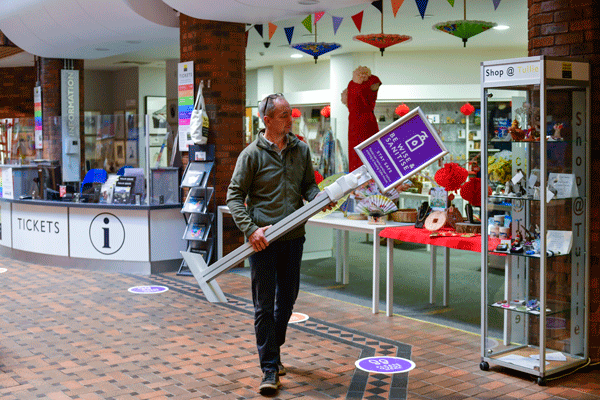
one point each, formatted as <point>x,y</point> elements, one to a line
<point>402,110</point>
<point>451,177</point>
<point>296,113</point>
<point>467,109</point>
<point>318,177</point>
<point>471,191</point>
<point>326,111</point>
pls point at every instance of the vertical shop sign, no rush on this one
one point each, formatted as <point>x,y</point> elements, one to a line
<point>69,85</point>
<point>37,113</point>
<point>7,183</point>
<point>401,149</point>
<point>185,88</point>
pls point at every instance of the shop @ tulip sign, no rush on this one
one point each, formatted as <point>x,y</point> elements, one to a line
<point>401,149</point>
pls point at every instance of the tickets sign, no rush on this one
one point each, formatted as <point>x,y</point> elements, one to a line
<point>401,150</point>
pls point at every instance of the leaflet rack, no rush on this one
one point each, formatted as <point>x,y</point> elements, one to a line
<point>198,210</point>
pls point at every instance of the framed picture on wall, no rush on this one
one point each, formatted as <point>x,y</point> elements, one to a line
<point>131,124</point>
<point>120,152</point>
<point>91,122</point>
<point>156,108</point>
<point>131,153</point>
<point>119,124</point>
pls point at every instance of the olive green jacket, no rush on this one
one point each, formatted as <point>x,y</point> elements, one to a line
<point>266,187</point>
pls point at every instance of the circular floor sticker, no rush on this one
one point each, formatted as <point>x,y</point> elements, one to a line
<point>148,289</point>
<point>385,365</point>
<point>298,317</point>
<point>2,270</point>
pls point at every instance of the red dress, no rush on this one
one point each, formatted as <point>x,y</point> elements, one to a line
<point>362,123</point>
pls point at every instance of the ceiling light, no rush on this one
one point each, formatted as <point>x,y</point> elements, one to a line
<point>501,27</point>
<point>308,2</point>
<point>133,41</point>
<point>101,49</point>
<point>296,56</point>
<point>424,16</point>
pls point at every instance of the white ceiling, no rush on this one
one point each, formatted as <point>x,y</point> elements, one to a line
<point>143,31</point>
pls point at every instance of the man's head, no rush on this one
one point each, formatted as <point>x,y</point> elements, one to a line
<point>276,113</point>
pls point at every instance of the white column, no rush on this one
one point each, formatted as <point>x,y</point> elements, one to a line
<point>340,73</point>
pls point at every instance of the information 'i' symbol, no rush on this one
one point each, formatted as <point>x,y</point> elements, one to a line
<point>106,235</point>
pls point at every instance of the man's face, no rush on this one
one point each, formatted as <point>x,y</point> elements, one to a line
<point>281,119</point>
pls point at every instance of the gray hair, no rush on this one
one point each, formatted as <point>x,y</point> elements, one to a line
<point>267,105</point>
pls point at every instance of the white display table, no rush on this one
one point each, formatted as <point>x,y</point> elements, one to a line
<point>106,237</point>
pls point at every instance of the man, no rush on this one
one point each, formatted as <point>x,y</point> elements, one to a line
<point>271,177</point>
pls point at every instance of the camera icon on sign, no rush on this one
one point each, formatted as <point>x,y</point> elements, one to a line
<point>416,141</point>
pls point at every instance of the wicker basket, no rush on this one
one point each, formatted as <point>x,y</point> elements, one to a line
<point>404,215</point>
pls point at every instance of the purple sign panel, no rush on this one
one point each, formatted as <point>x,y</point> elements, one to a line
<point>148,289</point>
<point>385,365</point>
<point>401,149</point>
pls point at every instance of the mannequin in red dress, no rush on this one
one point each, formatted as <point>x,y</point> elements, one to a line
<point>360,97</point>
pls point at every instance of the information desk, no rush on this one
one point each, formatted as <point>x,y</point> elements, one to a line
<point>338,222</point>
<point>411,234</point>
<point>106,237</point>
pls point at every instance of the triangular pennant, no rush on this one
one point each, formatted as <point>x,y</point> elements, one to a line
<point>451,2</point>
<point>496,4</point>
<point>422,5</point>
<point>289,32</point>
<point>307,22</point>
<point>337,21</point>
<point>378,4</point>
<point>396,6</point>
<point>272,29</point>
<point>318,16</point>
<point>357,18</point>
<point>259,29</point>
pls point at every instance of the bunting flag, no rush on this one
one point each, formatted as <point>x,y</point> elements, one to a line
<point>378,4</point>
<point>272,29</point>
<point>496,4</point>
<point>259,29</point>
<point>318,16</point>
<point>357,18</point>
<point>451,2</point>
<point>289,32</point>
<point>337,21</point>
<point>422,5</point>
<point>307,22</point>
<point>396,6</point>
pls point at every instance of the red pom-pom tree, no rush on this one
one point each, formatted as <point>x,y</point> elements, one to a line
<point>467,109</point>
<point>402,110</point>
<point>296,113</point>
<point>451,177</point>
<point>471,191</point>
<point>326,111</point>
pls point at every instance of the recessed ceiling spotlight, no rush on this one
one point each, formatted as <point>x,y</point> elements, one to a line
<point>133,41</point>
<point>101,49</point>
<point>295,55</point>
<point>308,2</point>
<point>501,27</point>
<point>425,16</point>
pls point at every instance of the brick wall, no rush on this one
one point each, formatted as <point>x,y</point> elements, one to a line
<point>218,50</point>
<point>571,28</point>
<point>51,106</point>
<point>16,100</point>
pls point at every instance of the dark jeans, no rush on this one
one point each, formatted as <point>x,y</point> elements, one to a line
<point>275,285</point>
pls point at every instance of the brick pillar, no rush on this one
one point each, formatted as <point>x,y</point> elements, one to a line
<point>571,28</point>
<point>17,92</point>
<point>218,50</point>
<point>51,106</point>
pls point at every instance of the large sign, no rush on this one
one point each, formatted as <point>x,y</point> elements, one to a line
<point>69,84</point>
<point>40,229</point>
<point>185,102</point>
<point>401,150</point>
<point>37,113</point>
<point>512,72</point>
<point>109,235</point>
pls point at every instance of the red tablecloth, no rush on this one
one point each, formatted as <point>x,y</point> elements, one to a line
<point>415,235</point>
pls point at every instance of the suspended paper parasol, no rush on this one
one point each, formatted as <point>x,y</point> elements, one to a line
<point>464,29</point>
<point>315,48</point>
<point>382,40</point>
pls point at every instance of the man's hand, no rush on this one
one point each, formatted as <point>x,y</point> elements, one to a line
<point>329,206</point>
<point>257,240</point>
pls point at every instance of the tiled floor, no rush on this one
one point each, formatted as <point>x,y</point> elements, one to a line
<point>73,334</point>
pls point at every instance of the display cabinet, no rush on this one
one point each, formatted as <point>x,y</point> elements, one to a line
<point>197,209</point>
<point>534,312</point>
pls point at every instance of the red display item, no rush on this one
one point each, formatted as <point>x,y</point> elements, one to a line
<point>467,109</point>
<point>296,113</point>
<point>451,177</point>
<point>402,110</point>
<point>326,111</point>
<point>471,191</point>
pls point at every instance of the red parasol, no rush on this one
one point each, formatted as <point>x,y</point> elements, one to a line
<point>382,40</point>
